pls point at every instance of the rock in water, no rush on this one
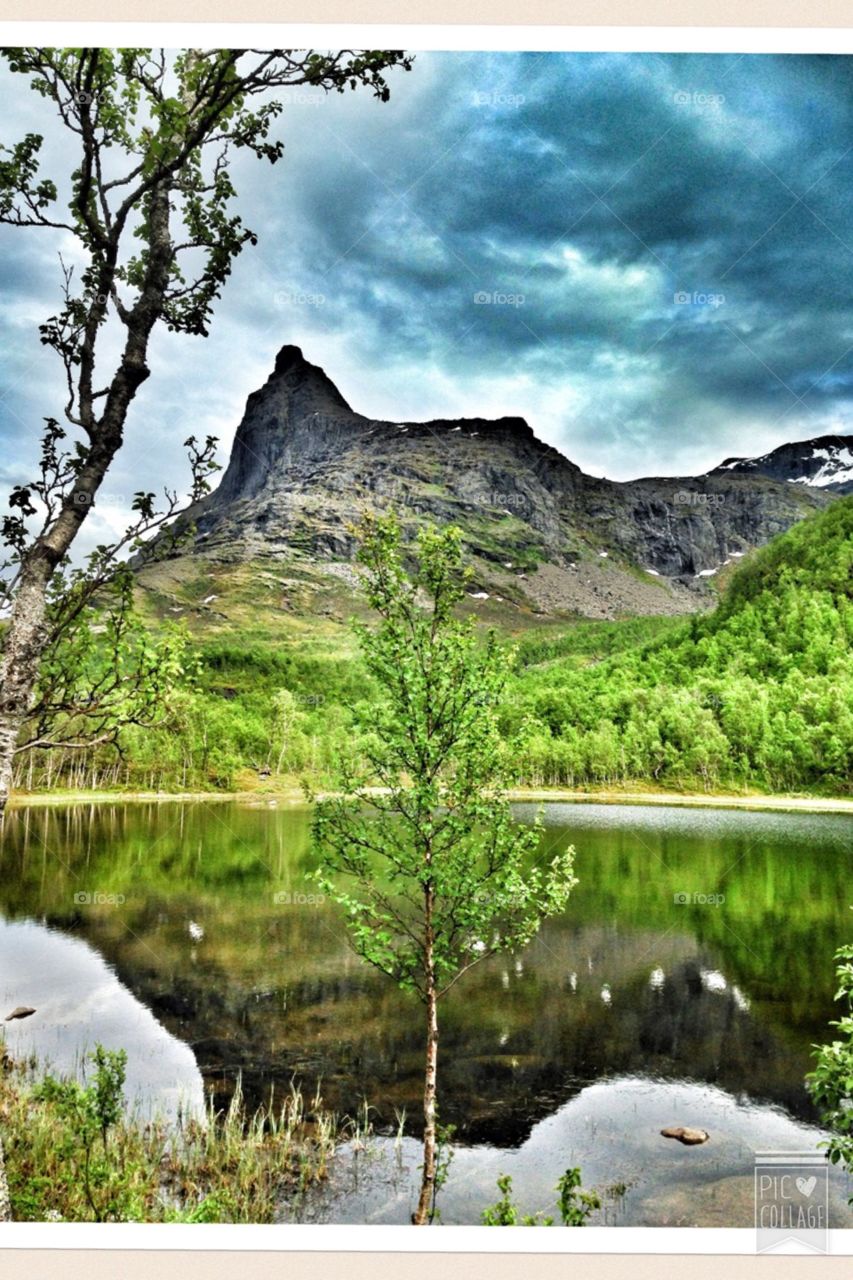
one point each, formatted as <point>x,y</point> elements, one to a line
<point>21,1012</point>
<point>690,1137</point>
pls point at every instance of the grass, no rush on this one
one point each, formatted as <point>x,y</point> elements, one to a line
<point>752,695</point>
<point>588,641</point>
<point>74,1153</point>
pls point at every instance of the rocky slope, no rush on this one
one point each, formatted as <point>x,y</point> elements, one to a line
<point>544,538</point>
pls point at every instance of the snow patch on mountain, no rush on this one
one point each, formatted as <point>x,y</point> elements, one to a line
<point>836,469</point>
<point>823,463</point>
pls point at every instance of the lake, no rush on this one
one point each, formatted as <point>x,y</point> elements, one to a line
<point>685,985</point>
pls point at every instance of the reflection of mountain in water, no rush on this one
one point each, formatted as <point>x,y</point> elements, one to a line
<point>505,1061</point>
<point>626,982</point>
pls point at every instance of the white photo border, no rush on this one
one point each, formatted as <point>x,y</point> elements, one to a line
<point>419,38</point>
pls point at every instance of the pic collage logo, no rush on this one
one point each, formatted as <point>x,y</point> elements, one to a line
<point>791,1202</point>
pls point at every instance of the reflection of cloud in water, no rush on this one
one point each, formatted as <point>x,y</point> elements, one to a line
<point>611,1130</point>
<point>80,1003</point>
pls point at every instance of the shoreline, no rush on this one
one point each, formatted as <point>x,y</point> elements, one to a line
<point>294,796</point>
<point>781,803</point>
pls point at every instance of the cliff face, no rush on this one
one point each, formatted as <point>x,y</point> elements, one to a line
<point>540,532</point>
<point>297,418</point>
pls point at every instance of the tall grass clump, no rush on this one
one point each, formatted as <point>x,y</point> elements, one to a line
<point>75,1153</point>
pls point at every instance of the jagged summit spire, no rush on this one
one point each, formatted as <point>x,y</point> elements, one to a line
<point>303,376</point>
<point>296,414</point>
<point>291,358</point>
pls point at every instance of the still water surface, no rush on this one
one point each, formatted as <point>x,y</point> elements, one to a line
<point>684,985</point>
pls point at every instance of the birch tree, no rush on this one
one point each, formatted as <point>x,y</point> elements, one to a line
<point>148,200</point>
<point>421,849</point>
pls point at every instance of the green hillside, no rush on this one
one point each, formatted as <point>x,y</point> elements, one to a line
<point>758,693</point>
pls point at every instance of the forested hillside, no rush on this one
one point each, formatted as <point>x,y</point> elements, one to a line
<point>757,694</point>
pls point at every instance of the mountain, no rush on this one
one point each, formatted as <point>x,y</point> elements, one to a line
<point>823,463</point>
<point>543,537</point>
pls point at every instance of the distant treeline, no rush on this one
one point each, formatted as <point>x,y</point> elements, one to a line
<point>757,694</point>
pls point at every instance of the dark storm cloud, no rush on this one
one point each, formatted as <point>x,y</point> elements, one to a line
<point>648,256</point>
<point>713,176</point>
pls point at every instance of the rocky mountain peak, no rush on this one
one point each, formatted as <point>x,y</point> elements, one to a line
<point>303,376</point>
<point>299,387</point>
<point>291,357</point>
<point>295,416</point>
<point>542,536</point>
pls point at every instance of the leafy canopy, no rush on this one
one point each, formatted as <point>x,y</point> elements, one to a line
<point>831,1082</point>
<point>149,187</point>
<point>437,875</point>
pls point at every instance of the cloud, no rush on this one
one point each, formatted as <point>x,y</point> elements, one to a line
<point>661,241</point>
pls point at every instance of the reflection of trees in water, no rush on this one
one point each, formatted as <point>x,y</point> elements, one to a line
<point>554,1043</point>
<point>628,982</point>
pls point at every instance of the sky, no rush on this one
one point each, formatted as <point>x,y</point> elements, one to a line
<point>649,257</point>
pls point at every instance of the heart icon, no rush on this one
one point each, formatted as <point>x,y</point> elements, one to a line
<point>806,1185</point>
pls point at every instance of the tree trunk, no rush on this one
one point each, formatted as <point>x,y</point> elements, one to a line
<point>22,650</point>
<point>423,1214</point>
<point>5,1207</point>
<point>26,634</point>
